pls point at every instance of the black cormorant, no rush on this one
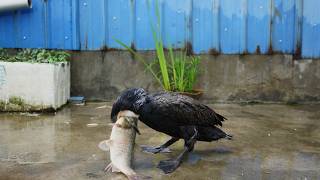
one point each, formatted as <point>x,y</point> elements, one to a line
<point>176,115</point>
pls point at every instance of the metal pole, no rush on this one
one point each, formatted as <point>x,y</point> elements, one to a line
<point>7,5</point>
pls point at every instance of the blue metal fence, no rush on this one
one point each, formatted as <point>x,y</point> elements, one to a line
<point>209,26</point>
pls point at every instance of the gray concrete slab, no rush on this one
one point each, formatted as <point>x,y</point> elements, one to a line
<point>224,78</point>
<point>270,142</point>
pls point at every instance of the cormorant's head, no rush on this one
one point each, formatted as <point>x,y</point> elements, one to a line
<point>130,99</point>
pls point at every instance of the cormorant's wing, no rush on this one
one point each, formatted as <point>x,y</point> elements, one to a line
<point>183,110</point>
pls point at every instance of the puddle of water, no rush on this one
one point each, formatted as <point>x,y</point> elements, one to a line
<point>270,142</point>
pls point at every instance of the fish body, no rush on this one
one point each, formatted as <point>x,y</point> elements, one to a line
<point>121,144</point>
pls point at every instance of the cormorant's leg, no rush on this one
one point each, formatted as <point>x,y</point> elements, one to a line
<point>170,165</point>
<point>160,149</point>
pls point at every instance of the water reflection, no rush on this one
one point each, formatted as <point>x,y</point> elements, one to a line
<point>270,142</point>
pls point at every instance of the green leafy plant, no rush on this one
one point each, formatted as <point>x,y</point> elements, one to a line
<point>178,72</point>
<point>185,70</point>
<point>35,56</point>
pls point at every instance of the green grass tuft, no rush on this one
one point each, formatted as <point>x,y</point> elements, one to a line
<point>178,72</point>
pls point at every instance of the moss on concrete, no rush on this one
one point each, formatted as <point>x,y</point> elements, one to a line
<point>17,104</point>
<point>17,101</point>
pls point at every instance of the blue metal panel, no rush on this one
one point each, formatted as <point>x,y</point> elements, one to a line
<point>311,29</point>
<point>298,27</point>
<point>232,26</point>
<point>92,19</point>
<point>120,22</point>
<point>75,25</point>
<point>8,30</point>
<point>259,20</point>
<point>202,24</point>
<point>31,29</point>
<point>283,26</point>
<point>27,26</point>
<point>175,21</point>
<point>145,16</point>
<point>60,26</point>
<point>215,26</point>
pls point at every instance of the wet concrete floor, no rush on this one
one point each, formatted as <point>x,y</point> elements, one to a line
<point>270,142</point>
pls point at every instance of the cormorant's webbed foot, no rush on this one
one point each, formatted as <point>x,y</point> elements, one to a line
<point>168,166</point>
<point>160,149</point>
<point>154,150</point>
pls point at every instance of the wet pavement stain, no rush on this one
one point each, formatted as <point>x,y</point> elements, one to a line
<point>270,142</point>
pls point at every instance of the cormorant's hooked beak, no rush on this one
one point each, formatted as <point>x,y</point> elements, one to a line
<point>114,119</point>
<point>133,124</point>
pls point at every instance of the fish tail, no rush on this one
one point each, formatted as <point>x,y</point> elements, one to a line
<point>138,177</point>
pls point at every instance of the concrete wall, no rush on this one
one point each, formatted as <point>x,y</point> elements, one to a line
<point>40,86</point>
<point>224,78</point>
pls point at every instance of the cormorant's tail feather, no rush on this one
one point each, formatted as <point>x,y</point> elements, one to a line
<point>222,118</point>
<point>229,136</point>
<point>219,119</point>
<point>211,134</point>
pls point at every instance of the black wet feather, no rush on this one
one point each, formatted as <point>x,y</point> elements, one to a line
<point>182,109</point>
<point>171,113</point>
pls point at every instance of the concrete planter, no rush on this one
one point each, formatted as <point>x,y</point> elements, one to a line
<point>33,87</point>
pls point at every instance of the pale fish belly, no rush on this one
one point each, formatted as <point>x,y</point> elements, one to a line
<point>121,150</point>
